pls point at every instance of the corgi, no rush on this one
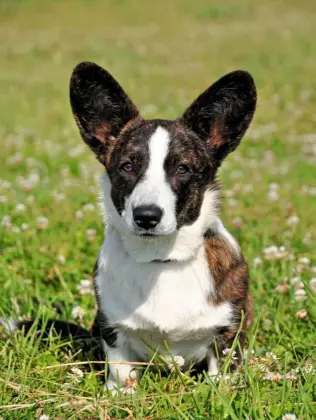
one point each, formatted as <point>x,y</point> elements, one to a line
<point>168,270</point>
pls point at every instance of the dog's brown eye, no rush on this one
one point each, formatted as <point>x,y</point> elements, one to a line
<point>127,167</point>
<point>182,169</point>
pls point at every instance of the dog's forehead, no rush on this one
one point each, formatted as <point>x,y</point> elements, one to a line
<point>140,133</point>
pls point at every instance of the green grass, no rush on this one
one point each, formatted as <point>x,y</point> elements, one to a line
<point>164,54</point>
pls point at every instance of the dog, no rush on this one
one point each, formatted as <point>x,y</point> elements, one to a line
<point>168,270</point>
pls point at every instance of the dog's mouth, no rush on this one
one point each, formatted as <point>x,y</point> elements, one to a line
<point>150,234</point>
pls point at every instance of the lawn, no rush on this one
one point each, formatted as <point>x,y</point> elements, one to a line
<point>164,54</point>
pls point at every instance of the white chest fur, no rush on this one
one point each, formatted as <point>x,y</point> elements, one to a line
<point>154,302</point>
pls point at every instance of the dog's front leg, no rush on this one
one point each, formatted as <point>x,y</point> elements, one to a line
<point>123,375</point>
<point>212,363</point>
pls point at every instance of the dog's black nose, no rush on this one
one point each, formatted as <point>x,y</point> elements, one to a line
<point>147,217</point>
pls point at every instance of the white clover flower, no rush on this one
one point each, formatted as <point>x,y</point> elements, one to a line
<point>30,162</point>
<point>20,207</point>
<point>293,220</point>
<point>274,186</point>
<point>309,370</point>
<point>232,202</point>
<point>288,234</point>
<point>275,253</point>
<point>267,322</point>
<point>30,199</point>
<point>42,222</point>
<point>76,375</point>
<point>6,221</point>
<point>312,191</point>
<point>179,360</point>
<point>291,375</point>
<point>302,314</point>
<point>15,229</point>
<point>77,313</point>
<point>5,185</point>
<point>59,196</point>
<point>273,195</point>
<point>78,215</point>
<point>43,417</point>
<point>229,193</point>
<point>300,294</point>
<point>228,379</point>
<point>34,178</point>
<point>76,151</point>
<point>295,280</point>
<point>24,226</point>
<point>176,361</point>
<point>312,284</point>
<point>271,355</point>
<point>282,288</point>
<point>61,259</point>
<point>273,376</point>
<point>91,234</point>
<point>271,249</point>
<point>262,367</point>
<point>88,207</point>
<point>85,287</point>
<point>27,186</point>
<point>14,159</point>
<point>3,199</point>
<point>76,371</point>
<point>248,188</point>
<point>248,353</point>
<point>30,182</point>
<point>257,261</point>
<point>237,221</point>
<point>299,285</point>
<point>289,417</point>
<point>236,174</point>
<point>304,260</point>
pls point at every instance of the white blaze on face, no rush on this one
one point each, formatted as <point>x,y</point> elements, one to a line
<point>154,189</point>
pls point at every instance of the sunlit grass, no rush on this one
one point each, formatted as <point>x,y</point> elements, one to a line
<point>164,54</point>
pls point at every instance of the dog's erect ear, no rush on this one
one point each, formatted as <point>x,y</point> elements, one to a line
<point>222,114</point>
<point>100,106</point>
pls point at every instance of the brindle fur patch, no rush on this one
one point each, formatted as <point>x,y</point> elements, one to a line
<point>231,277</point>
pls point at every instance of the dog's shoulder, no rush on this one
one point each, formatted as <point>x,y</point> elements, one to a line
<point>229,271</point>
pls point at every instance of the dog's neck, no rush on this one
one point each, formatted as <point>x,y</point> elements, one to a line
<point>182,245</point>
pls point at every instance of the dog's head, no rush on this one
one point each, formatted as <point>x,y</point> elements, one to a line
<point>159,171</point>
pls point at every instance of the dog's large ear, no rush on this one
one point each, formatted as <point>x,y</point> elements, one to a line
<point>100,106</point>
<point>222,114</point>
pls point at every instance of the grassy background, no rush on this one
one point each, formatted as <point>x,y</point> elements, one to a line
<point>164,54</point>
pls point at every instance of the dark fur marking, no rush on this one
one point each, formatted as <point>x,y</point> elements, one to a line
<point>101,327</point>
<point>231,277</point>
<point>222,113</point>
<point>100,106</point>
